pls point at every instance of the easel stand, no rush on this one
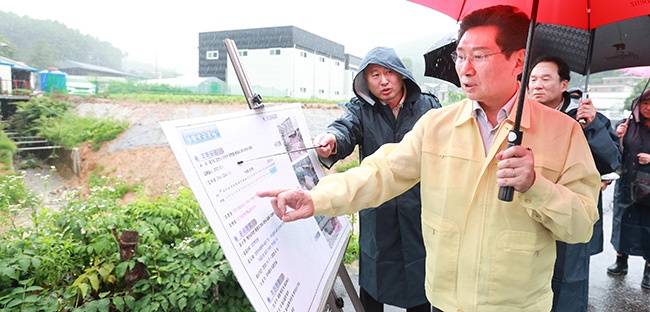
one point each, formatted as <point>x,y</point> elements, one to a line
<point>334,302</point>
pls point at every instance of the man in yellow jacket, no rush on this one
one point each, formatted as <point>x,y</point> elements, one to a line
<point>483,254</point>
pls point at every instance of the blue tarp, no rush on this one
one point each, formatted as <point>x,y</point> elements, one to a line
<point>53,81</point>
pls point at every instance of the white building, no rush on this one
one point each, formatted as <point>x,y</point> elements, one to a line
<point>280,62</point>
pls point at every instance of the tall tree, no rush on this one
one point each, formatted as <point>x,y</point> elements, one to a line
<point>63,43</point>
<point>41,54</point>
<point>7,48</point>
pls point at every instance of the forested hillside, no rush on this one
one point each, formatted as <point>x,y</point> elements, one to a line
<point>46,43</point>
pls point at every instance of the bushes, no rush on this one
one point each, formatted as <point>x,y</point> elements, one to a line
<point>15,199</point>
<point>53,119</point>
<point>7,149</point>
<point>69,259</point>
<point>30,114</point>
<point>70,130</point>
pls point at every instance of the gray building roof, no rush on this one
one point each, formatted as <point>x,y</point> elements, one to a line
<point>82,69</point>
<point>261,38</point>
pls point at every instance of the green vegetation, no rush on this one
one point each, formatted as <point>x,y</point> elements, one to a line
<point>343,167</point>
<point>69,259</point>
<point>454,97</point>
<point>71,130</point>
<point>208,99</point>
<point>137,92</point>
<point>352,251</point>
<point>52,118</point>
<point>7,149</point>
<point>14,199</point>
<point>46,43</point>
<point>132,86</point>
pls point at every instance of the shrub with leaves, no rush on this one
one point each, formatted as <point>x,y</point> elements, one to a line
<point>70,130</point>
<point>52,118</point>
<point>7,149</point>
<point>69,260</point>
<point>29,114</point>
<point>15,199</point>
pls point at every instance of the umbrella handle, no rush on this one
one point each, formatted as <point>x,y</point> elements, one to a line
<point>582,121</point>
<point>507,193</point>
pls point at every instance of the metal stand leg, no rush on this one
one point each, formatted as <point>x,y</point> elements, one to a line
<point>335,303</point>
<point>349,287</point>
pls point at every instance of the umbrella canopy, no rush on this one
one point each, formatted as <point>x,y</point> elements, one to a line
<point>643,71</point>
<point>585,14</point>
<point>438,62</point>
<point>612,46</point>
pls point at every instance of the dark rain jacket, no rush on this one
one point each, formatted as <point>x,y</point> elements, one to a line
<point>391,250</point>
<point>571,274</point>
<point>631,223</point>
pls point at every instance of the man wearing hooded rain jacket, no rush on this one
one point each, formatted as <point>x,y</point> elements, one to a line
<point>388,102</point>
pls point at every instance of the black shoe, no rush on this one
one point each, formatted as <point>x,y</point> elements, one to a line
<point>645,282</point>
<point>619,267</point>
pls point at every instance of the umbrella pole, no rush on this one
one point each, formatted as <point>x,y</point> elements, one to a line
<point>506,193</point>
<point>585,94</point>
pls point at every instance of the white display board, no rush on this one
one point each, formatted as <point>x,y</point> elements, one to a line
<point>280,266</point>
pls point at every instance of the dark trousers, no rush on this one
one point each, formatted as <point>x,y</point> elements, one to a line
<point>570,282</point>
<point>371,305</point>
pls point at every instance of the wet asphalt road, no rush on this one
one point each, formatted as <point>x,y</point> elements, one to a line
<point>606,293</point>
<point>615,293</point>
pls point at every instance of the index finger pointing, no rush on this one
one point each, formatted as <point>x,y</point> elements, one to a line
<point>269,193</point>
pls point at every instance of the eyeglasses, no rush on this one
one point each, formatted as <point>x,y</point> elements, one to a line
<point>477,59</point>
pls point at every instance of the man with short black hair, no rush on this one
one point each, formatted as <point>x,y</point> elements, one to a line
<point>547,84</point>
<point>482,254</point>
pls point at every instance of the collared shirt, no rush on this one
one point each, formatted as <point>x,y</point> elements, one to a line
<point>488,132</point>
<point>483,254</point>
<point>401,102</point>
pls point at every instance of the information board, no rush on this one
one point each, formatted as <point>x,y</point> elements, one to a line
<point>226,159</point>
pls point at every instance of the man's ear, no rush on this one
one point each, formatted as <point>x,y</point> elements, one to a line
<point>565,85</point>
<point>521,58</point>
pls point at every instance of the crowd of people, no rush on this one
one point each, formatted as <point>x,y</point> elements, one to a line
<point>437,238</point>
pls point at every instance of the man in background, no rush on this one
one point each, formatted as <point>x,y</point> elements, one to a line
<point>548,82</point>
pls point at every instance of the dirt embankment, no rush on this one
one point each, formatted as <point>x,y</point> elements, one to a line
<point>142,155</point>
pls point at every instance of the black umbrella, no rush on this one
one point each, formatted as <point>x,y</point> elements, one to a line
<point>438,62</point>
<point>612,46</point>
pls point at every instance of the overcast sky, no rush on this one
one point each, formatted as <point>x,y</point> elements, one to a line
<point>167,31</point>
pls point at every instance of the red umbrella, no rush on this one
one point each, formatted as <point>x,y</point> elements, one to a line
<point>585,14</point>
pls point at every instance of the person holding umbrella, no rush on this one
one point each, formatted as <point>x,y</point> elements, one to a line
<point>547,83</point>
<point>631,223</point>
<point>482,253</point>
<point>391,252</point>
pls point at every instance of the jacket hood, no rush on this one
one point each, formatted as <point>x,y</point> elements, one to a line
<point>386,57</point>
<point>636,103</point>
<point>569,103</point>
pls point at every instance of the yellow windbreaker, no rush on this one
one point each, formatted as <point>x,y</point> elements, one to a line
<point>483,254</point>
